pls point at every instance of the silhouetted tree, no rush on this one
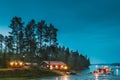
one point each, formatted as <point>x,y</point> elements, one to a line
<point>51,35</point>
<point>67,54</point>
<point>17,28</point>
<point>40,36</point>
<point>10,44</point>
<point>30,38</point>
<point>1,42</point>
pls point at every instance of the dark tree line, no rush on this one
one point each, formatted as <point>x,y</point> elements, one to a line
<point>36,42</point>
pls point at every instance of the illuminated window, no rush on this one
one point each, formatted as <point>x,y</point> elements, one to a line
<point>11,63</point>
<point>20,63</point>
<point>61,66</point>
<point>51,67</point>
<point>47,65</point>
<point>65,67</point>
<point>16,63</point>
<point>56,67</point>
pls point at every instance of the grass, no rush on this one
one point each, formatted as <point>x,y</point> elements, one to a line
<point>19,74</point>
<point>13,79</point>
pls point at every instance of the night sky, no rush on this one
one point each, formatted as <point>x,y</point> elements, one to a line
<point>90,26</point>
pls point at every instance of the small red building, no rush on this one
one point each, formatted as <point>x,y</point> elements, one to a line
<point>54,65</point>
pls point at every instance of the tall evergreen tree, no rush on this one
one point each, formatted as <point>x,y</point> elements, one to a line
<point>17,28</point>
<point>67,54</point>
<point>10,44</point>
<point>1,42</point>
<point>30,38</point>
<point>51,38</point>
<point>40,36</point>
<point>51,35</point>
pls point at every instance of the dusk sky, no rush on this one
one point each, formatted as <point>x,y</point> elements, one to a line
<point>90,26</point>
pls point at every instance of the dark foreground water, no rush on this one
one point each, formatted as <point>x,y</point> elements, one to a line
<point>84,75</point>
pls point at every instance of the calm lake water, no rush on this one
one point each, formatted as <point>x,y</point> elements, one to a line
<point>84,75</point>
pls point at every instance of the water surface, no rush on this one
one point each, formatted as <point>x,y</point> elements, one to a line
<point>84,75</point>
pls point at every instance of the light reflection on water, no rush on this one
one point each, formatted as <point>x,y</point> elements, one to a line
<point>84,75</point>
<point>66,77</point>
<point>96,76</point>
<point>87,77</point>
<point>117,71</point>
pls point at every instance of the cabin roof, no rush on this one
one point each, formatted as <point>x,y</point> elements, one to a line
<point>54,62</point>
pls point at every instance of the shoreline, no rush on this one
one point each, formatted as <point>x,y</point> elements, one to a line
<point>26,73</point>
<point>32,73</point>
